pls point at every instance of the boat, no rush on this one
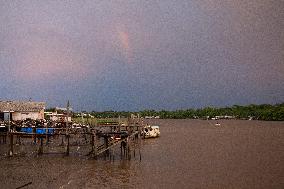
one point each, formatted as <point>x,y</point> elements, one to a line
<point>151,131</point>
<point>217,124</point>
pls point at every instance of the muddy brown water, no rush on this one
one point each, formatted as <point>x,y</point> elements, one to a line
<point>189,154</point>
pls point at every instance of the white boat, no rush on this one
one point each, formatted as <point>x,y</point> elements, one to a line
<point>151,131</point>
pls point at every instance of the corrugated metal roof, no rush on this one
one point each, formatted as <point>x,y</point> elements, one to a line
<point>21,106</point>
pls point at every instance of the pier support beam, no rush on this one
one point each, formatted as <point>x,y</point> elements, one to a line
<point>106,144</point>
<point>11,150</point>
<point>94,146</point>
<point>67,147</point>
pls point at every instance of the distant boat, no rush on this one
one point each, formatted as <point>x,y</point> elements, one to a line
<point>217,124</point>
<point>151,131</point>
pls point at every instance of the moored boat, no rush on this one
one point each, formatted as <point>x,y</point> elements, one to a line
<point>151,131</point>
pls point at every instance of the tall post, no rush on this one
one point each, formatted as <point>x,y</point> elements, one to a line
<point>9,119</point>
<point>67,128</point>
<point>119,124</point>
<point>67,121</point>
<point>139,136</point>
<point>11,151</point>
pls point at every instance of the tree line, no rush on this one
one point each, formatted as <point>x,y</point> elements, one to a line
<point>259,112</point>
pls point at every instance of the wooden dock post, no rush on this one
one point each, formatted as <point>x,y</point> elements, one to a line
<point>123,148</point>
<point>140,154</point>
<point>92,142</point>
<point>67,147</point>
<point>67,128</point>
<point>34,135</point>
<point>129,150</point>
<point>11,150</point>
<point>94,146</point>
<point>106,144</point>
<point>40,150</point>
<point>139,137</point>
<point>62,141</point>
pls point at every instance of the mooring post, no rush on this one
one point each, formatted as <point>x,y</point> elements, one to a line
<point>62,141</point>
<point>126,148</point>
<point>67,128</point>
<point>11,151</point>
<point>67,147</point>
<point>94,150</point>
<point>40,150</point>
<point>123,147</point>
<point>47,140</point>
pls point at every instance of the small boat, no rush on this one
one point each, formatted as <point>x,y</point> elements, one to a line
<point>217,124</point>
<point>151,131</point>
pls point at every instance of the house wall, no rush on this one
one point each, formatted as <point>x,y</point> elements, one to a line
<point>41,114</point>
<point>27,115</point>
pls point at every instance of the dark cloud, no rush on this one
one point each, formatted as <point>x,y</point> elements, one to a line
<point>130,55</point>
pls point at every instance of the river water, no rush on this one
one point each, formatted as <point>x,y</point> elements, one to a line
<point>189,154</point>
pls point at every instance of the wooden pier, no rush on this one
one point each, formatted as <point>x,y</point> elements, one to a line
<point>100,140</point>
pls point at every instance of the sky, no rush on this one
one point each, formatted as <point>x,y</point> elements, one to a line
<point>134,55</point>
